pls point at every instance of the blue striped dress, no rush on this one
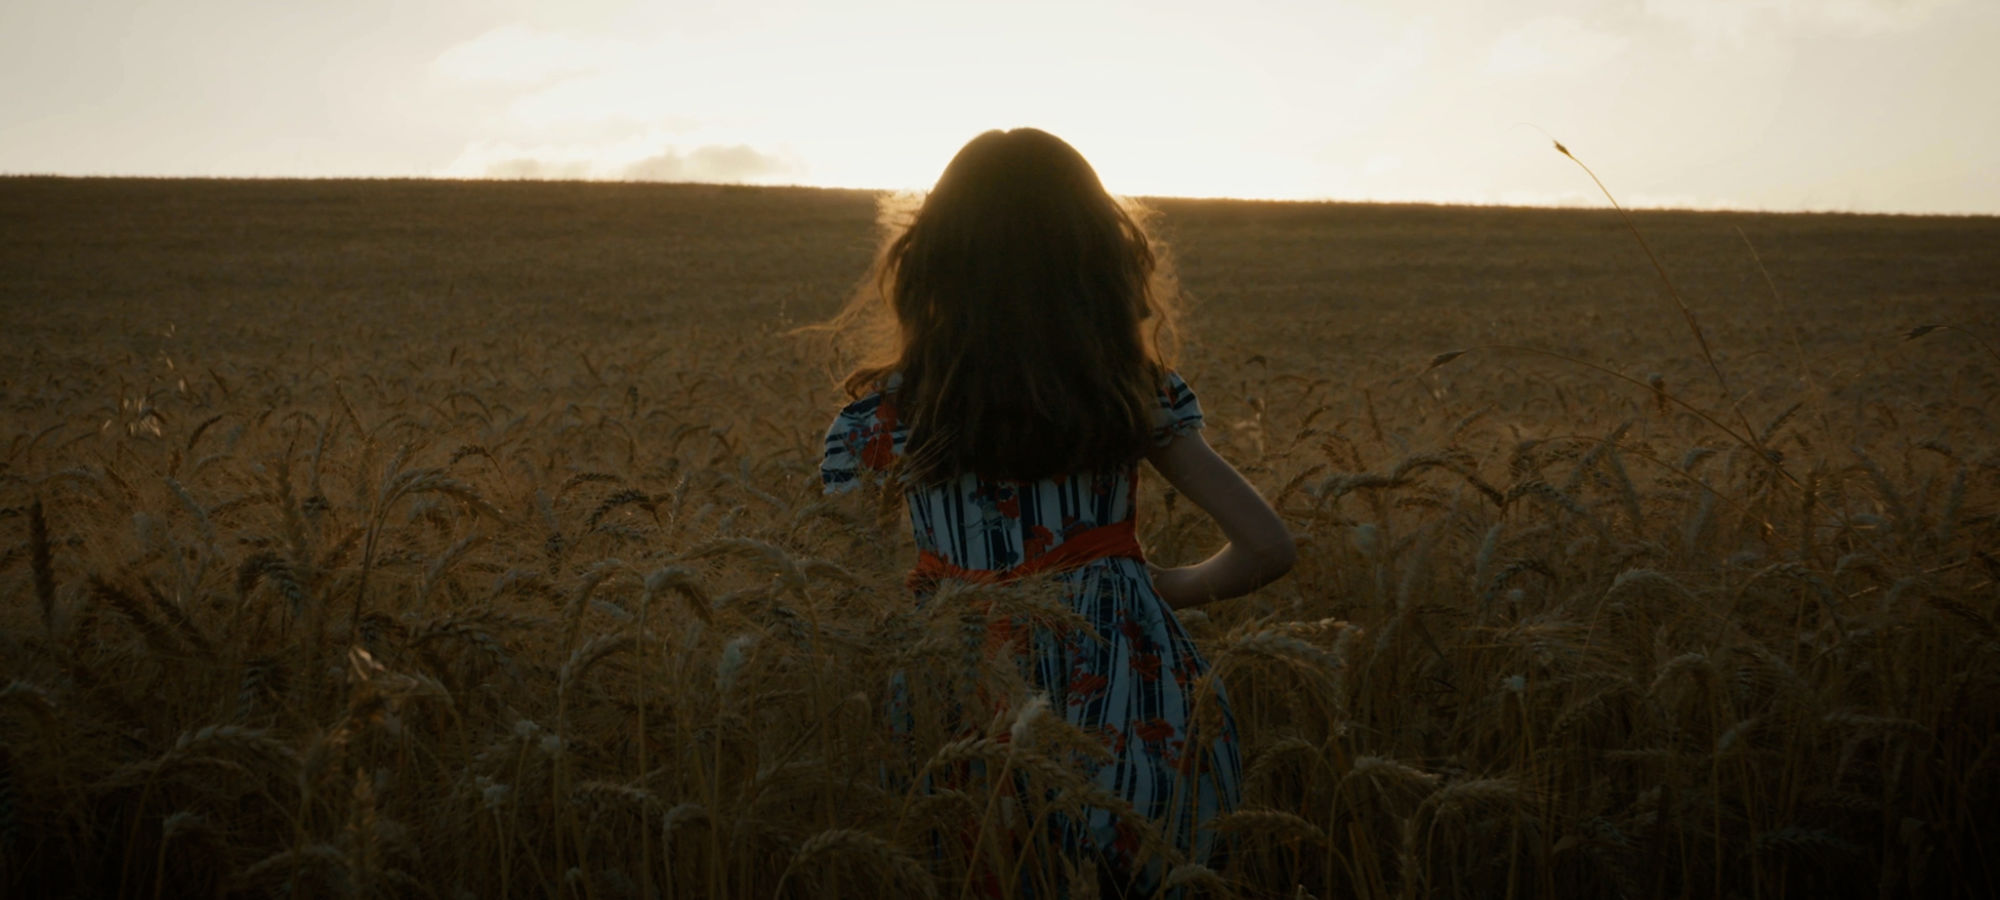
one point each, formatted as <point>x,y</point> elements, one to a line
<point>1135,687</point>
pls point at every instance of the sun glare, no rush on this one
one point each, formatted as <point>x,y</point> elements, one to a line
<point>1132,164</point>
<point>830,101</point>
<point>1345,101</point>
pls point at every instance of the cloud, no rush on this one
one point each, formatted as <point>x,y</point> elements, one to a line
<point>736,162</point>
<point>648,156</point>
<point>1553,44</point>
<point>1733,20</point>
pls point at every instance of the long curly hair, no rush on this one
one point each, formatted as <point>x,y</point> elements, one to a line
<point>1029,314</point>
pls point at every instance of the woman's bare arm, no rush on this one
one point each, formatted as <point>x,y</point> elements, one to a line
<point>1260,547</point>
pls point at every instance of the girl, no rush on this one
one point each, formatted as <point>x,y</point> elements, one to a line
<point>1020,378</point>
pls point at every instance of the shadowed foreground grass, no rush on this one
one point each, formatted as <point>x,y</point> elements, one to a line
<point>416,539</point>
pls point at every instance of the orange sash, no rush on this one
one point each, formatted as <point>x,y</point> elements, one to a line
<point>1118,540</point>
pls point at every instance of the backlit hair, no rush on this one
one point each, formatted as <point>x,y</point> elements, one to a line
<point>1029,314</point>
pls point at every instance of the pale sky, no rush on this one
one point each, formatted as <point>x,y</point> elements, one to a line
<point>1862,105</point>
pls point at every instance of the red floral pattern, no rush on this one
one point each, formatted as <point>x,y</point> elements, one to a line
<point>1106,682</point>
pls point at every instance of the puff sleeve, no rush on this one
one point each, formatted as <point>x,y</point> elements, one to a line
<point>860,446</point>
<point>1179,412</point>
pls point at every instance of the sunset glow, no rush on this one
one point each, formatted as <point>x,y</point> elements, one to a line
<point>1868,105</point>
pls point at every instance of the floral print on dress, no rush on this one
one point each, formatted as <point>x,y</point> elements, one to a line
<point>1134,681</point>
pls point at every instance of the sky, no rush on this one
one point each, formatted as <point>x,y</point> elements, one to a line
<point>1853,105</point>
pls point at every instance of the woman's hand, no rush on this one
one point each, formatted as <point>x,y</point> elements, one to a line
<point>1260,547</point>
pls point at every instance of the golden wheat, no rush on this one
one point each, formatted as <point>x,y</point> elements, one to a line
<point>497,567</point>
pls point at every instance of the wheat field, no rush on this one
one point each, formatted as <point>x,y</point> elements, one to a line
<point>416,539</point>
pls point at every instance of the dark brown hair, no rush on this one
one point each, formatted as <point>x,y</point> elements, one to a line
<point>1029,314</point>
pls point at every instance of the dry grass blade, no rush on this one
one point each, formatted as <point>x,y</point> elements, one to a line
<point>1389,772</point>
<point>622,498</point>
<point>139,614</point>
<point>183,624</point>
<point>1280,647</point>
<point>1275,822</point>
<point>1745,436</point>
<point>876,860</point>
<point>682,815</point>
<point>1922,330</point>
<point>231,747</point>
<point>687,583</point>
<point>1459,797</point>
<point>1686,313</point>
<point>1266,760</point>
<point>1444,358</point>
<point>271,566</point>
<point>595,651</point>
<point>1197,876</point>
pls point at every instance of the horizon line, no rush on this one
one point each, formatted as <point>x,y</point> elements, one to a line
<point>1555,205</point>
